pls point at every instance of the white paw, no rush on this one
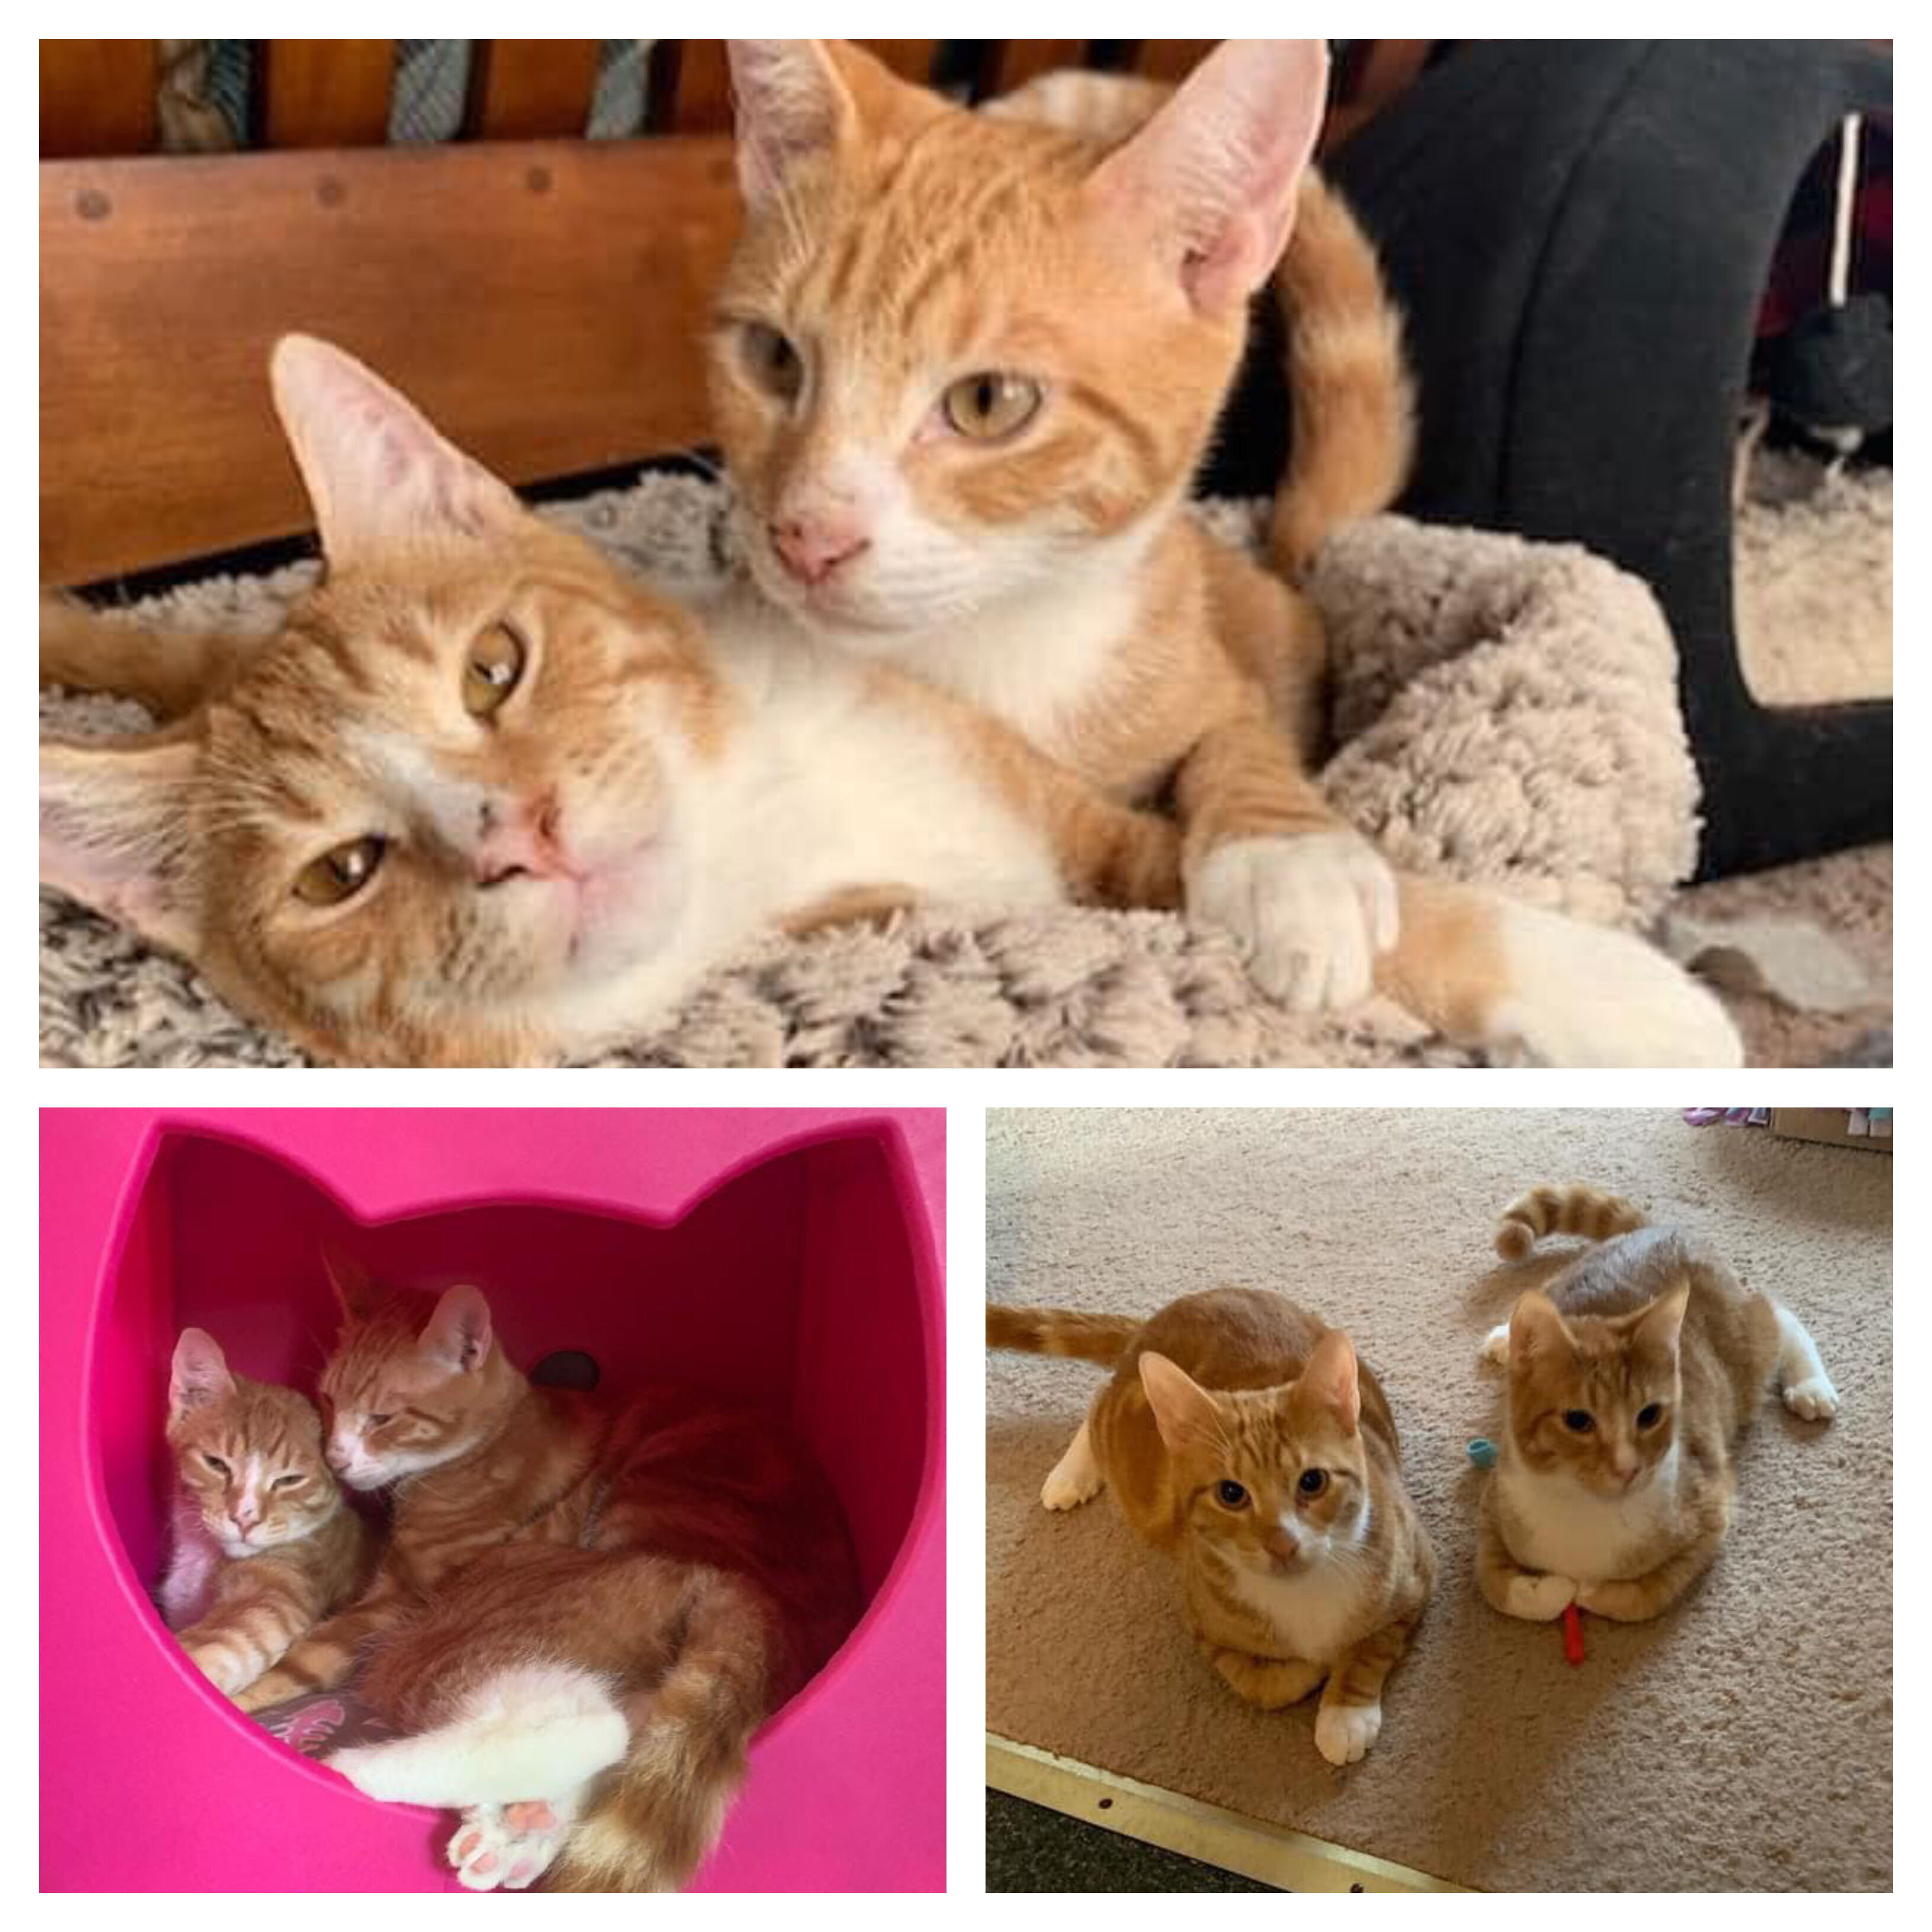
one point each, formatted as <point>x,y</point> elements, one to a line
<point>508,1847</point>
<point>1312,912</point>
<point>1814,1398</point>
<point>1496,1343</point>
<point>1066,1489</point>
<point>1343,1733</point>
<point>1580,995</point>
<point>1539,1599</point>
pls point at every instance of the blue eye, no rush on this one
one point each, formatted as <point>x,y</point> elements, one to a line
<point>1579,1421</point>
<point>1313,1482</point>
<point>1232,1496</point>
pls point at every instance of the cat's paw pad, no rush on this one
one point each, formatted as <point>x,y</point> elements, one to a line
<point>1539,1599</point>
<point>1311,911</point>
<point>1580,995</point>
<point>506,1846</point>
<point>1814,1398</point>
<point>1495,1344</point>
<point>1343,1733</point>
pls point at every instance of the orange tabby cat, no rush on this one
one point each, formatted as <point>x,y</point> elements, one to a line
<point>1245,1439</point>
<point>485,799</point>
<point>964,369</point>
<point>264,1546</point>
<point>585,1609</point>
<point>1630,1377</point>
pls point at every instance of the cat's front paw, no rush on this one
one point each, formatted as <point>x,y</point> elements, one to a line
<point>1495,1344</point>
<point>1065,1489</point>
<point>1538,1600</point>
<point>1343,1733</point>
<point>506,1846</point>
<point>1814,1398</point>
<point>1312,912</point>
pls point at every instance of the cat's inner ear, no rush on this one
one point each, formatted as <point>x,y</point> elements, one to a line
<point>457,1337</point>
<point>200,1376</point>
<point>1183,1412</point>
<point>1332,1381</point>
<point>379,476</point>
<point>1213,180</point>
<point>115,833</point>
<point>790,105</point>
<point>1536,1331</point>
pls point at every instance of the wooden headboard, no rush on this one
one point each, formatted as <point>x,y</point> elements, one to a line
<point>540,295</point>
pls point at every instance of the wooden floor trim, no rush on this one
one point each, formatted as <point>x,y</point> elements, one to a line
<point>1270,1853</point>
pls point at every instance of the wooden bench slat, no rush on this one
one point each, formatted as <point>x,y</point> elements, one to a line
<point>530,90</point>
<point>461,273</point>
<point>699,83</point>
<point>323,94</point>
<point>98,97</point>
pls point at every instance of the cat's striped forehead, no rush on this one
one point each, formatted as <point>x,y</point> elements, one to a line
<point>254,1418</point>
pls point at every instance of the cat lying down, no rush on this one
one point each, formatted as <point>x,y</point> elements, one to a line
<point>484,799</point>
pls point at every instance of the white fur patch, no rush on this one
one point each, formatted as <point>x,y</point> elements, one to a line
<point>1076,1477</point>
<point>1312,912</point>
<point>1495,1344</point>
<point>1539,1599</point>
<point>1585,996</point>
<point>535,1731</point>
<point>1807,1389</point>
<point>1343,1733</point>
<point>1317,1610</point>
<point>1558,1525</point>
<point>493,1851</point>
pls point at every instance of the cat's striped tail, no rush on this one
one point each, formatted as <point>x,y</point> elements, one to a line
<point>1355,415</point>
<point>169,671</point>
<point>1563,1210</point>
<point>1061,1331</point>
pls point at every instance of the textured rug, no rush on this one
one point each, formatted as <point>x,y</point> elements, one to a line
<point>1742,1741</point>
<point>1508,715</point>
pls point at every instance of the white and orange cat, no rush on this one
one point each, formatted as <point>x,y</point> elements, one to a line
<point>1631,1376</point>
<point>484,799</point>
<point>262,1544</point>
<point>964,369</point>
<point>1245,1439</point>
<point>585,1608</point>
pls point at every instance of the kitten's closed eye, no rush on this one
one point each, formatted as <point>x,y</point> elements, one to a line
<point>215,1463</point>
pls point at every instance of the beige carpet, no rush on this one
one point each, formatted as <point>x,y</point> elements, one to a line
<point>1743,1741</point>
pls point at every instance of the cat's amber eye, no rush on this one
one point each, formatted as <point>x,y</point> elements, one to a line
<point>341,873</point>
<point>1232,1496</point>
<point>1313,1482</point>
<point>1650,1415</point>
<point>215,1463</point>
<point>992,406</point>
<point>1579,1421</point>
<point>493,669</point>
<point>772,360</point>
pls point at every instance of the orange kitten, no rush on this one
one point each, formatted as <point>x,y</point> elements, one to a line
<point>485,799</point>
<point>1245,1439</point>
<point>586,1608</point>
<point>1630,1378</point>
<point>965,370</point>
<point>264,1546</point>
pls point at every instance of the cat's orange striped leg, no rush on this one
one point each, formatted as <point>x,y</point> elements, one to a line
<point>240,1638</point>
<point>1637,1599</point>
<point>1350,1719</point>
<point>1270,1683</point>
<point>1264,856</point>
<point>328,1655</point>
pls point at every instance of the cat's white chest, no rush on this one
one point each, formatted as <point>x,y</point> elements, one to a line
<point>1317,1616</point>
<point>1557,1526</point>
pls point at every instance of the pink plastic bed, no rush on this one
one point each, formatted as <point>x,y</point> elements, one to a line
<point>790,1255</point>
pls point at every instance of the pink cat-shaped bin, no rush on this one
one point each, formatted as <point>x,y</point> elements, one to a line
<point>791,1255</point>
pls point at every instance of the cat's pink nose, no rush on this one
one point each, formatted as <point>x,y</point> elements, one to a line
<point>524,843</point>
<point>812,548</point>
<point>245,1518</point>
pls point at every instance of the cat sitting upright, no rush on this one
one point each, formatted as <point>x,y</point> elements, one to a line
<point>1630,1378</point>
<point>1247,1440</point>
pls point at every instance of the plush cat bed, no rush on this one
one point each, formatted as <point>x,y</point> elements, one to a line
<point>1507,712</point>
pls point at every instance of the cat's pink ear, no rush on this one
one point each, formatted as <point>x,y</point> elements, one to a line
<point>115,833</point>
<point>379,476</point>
<point>1212,181</point>
<point>1332,1379</point>
<point>1537,1332</point>
<point>1183,1412</point>
<point>355,1287</point>
<point>791,104</point>
<point>199,1375</point>
<point>457,1338</point>
<point>1659,1326</point>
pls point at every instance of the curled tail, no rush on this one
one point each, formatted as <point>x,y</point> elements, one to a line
<point>651,1820</point>
<point>1354,426</point>
<point>1061,1331</point>
<point>168,671</point>
<point>1563,1210</point>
